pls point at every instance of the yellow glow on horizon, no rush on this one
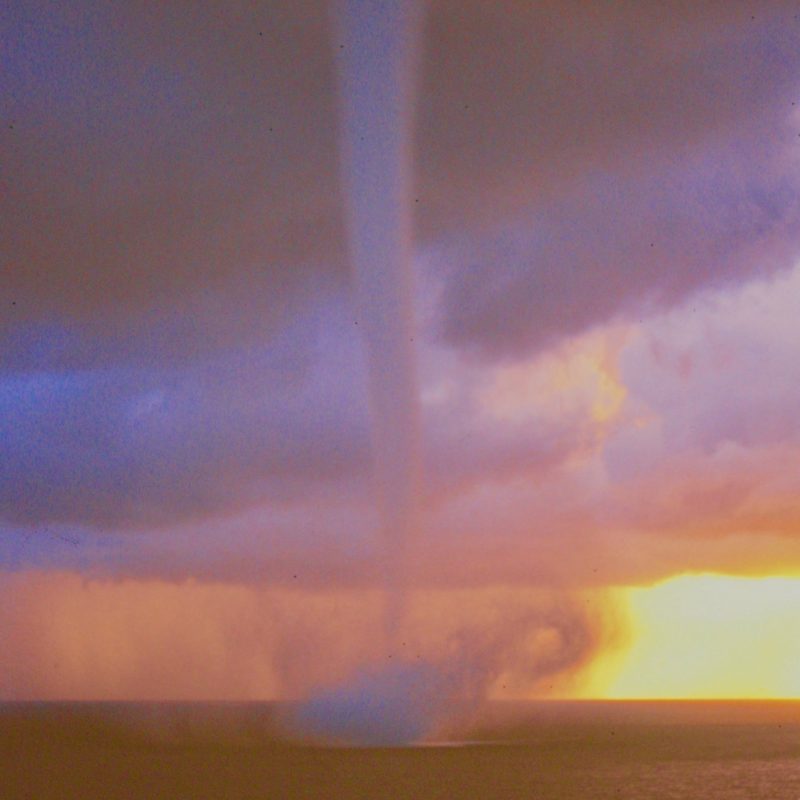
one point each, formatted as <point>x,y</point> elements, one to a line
<point>711,636</point>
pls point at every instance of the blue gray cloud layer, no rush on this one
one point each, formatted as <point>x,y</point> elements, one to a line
<point>177,339</point>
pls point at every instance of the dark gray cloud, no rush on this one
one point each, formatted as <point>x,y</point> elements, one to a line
<point>159,160</point>
<point>175,339</point>
<point>124,446</point>
<point>623,245</point>
<point>184,157</point>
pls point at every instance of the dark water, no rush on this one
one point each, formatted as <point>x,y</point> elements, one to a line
<point>747,750</point>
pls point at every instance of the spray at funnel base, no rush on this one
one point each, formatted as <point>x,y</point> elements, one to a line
<point>376,43</point>
<point>390,707</point>
<point>438,692</point>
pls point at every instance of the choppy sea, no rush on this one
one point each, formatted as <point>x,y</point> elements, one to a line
<point>551,749</point>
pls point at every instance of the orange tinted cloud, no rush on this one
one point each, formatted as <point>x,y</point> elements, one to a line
<point>69,638</point>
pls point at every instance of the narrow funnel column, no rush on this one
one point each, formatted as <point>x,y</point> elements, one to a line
<point>376,42</point>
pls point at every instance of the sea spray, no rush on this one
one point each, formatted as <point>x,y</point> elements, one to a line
<point>438,689</point>
<point>376,43</point>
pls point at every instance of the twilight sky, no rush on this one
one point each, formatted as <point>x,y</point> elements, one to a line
<point>607,255</point>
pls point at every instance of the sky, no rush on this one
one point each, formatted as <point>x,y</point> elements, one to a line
<point>606,258</point>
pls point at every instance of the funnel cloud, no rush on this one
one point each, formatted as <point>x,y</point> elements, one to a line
<point>376,48</point>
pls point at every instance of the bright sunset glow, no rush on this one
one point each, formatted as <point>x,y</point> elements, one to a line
<point>711,636</point>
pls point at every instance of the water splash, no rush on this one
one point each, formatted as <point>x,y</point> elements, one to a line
<point>440,692</point>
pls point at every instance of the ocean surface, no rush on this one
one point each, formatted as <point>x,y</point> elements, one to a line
<point>550,749</point>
